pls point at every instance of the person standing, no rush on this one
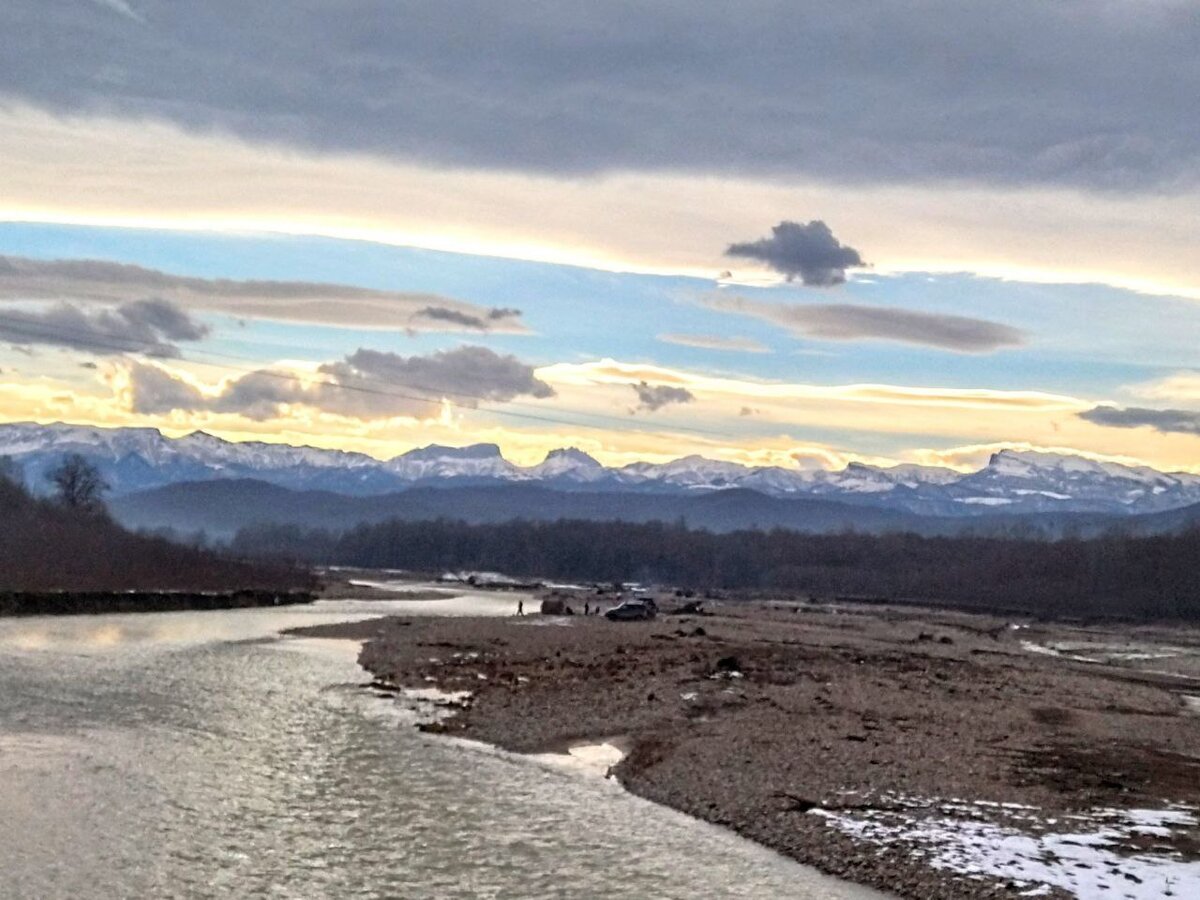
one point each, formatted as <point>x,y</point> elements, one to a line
<point>520,607</point>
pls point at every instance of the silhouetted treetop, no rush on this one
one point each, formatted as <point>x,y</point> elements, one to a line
<point>78,484</point>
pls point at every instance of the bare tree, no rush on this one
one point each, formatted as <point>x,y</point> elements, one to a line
<point>79,484</point>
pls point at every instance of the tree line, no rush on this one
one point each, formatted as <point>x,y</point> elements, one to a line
<point>1121,576</point>
<point>67,542</point>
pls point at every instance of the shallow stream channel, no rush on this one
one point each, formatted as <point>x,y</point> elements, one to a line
<point>201,754</point>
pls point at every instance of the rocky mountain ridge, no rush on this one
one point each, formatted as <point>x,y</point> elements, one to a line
<point>138,459</point>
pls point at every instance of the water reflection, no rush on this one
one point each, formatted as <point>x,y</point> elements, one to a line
<point>81,634</point>
<point>184,755</point>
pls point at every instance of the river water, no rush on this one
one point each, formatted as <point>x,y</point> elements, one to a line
<point>202,755</point>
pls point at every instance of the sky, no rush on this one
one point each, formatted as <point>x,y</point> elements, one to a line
<point>798,234</point>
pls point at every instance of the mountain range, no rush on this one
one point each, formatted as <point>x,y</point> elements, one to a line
<point>145,467</point>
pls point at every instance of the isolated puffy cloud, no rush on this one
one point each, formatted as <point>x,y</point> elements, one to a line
<point>716,342</point>
<point>90,280</point>
<point>1168,421</point>
<point>1023,91</point>
<point>153,327</point>
<point>368,384</point>
<point>808,252</point>
<point>854,321</point>
<point>653,397</point>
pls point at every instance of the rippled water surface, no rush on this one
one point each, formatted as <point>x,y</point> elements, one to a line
<point>196,755</point>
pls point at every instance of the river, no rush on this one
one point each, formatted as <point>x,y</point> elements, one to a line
<point>203,755</point>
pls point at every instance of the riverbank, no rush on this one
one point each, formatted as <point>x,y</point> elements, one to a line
<point>863,741</point>
<point>68,603</point>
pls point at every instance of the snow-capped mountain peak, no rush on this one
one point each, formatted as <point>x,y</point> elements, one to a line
<point>435,462</point>
<point>568,463</point>
<point>687,471</point>
<point>438,451</point>
<point>1028,463</point>
<point>1066,482</point>
<point>133,459</point>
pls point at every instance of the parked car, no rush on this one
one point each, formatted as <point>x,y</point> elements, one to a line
<point>639,609</point>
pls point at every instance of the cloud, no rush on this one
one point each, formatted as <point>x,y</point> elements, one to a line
<point>586,377</point>
<point>153,327</point>
<point>808,252</point>
<point>716,342</point>
<point>1020,92</point>
<point>653,397</point>
<point>153,390</point>
<point>99,281</point>
<point>367,384</point>
<point>1181,387</point>
<point>1167,421</point>
<point>852,322</point>
<point>209,180</point>
<point>486,322</point>
<point>466,376</point>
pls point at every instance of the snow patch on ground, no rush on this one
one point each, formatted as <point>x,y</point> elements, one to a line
<point>589,759</point>
<point>1089,856</point>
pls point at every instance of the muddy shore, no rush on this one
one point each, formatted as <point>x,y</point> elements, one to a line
<point>805,727</point>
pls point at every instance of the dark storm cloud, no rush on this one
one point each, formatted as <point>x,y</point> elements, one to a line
<point>1168,421</point>
<point>153,327</point>
<point>653,397</point>
<point>1095,93</point>
<point>808,252</point>
<point>100,281</point>
<point>853,321</point>
<point>368,384</point>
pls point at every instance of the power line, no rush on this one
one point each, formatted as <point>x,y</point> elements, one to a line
<point>139,347</point>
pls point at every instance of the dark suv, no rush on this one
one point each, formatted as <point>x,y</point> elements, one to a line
<point>639,609</point>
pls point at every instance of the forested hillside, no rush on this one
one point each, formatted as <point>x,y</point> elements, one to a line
<point>1140,577</point>
<point>47,546</point>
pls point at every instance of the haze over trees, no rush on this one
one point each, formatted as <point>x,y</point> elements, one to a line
<point>1151,577</point>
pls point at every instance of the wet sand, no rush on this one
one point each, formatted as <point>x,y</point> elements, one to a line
<point>845,738</point>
